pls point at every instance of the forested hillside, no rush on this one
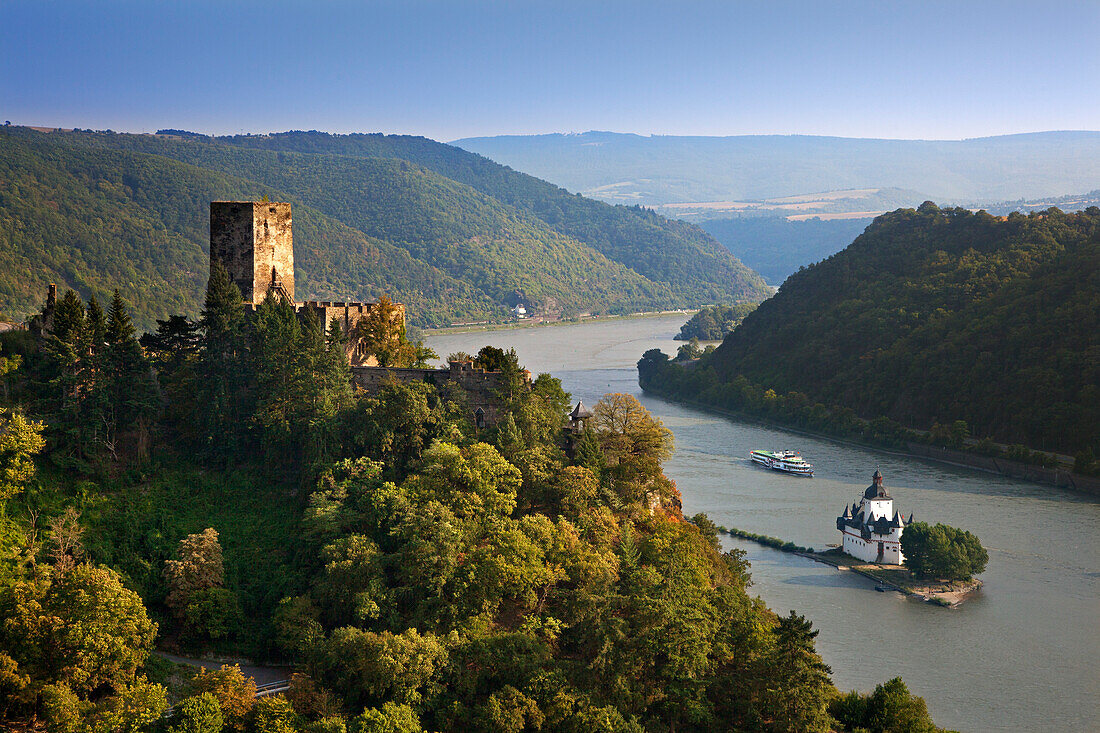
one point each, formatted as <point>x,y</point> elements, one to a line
<point>221,488</point>
<point>935,316</point>
<point>366,225</point>
<point>94,219</point>
<point>663,250</point>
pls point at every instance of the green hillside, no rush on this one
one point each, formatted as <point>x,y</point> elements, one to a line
<point>693,265</point>
<point>96,219</point>
<point>365,225</point>
<point>936,316</point>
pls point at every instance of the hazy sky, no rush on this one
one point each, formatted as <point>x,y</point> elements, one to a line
<point>919,69</point>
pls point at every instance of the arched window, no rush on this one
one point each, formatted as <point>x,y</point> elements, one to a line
<point>479,418</point>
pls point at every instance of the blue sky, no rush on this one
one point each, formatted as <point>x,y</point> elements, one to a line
<point>455,69</point>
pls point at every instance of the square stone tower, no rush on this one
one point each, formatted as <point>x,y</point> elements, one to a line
<point>254,242</point>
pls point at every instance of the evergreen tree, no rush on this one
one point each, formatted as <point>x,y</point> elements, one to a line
<point>223,400</point>
<point>68,316</point>
<point>328,388</point>
<point>96,323</point>
<point>800,689</point>
<point>281,369</point>
<point>589,454</point>
<point>132,397</point>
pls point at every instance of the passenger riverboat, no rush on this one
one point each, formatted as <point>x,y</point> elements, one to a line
<point>783,460</point>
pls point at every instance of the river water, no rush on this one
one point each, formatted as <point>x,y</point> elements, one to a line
<point>1024,654</point>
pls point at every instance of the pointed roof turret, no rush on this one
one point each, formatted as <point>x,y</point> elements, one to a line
<point>876,490</point>
<point>847,512</point>
<point>580,412</point>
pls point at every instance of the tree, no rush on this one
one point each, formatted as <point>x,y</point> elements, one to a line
<point>20,440</point>
<point>234,693</point>
<point>282,373</point>
<point>627,429</point>
<point>575,490</point>
<point>199,568</point>
<point>175,340</point>
<point>131,396</point>
<point>274,714</point>
<point>382,333</point>
<point>891,708</point>
<point>634,444</point>
<point>689,351</point>
<point>222,397</point>
<point>800,689</point>
<point>371,668</point>
<point>71,644</point>
<point>66,547</point>
<point>197,714</point>
<point>390,718</point>
<point>943,552</point>
<point>490,358</point>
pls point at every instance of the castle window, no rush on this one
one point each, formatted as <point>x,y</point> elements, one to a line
<point>479,418</point>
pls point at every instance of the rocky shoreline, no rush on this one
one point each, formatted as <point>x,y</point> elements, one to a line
<point>949,594</point>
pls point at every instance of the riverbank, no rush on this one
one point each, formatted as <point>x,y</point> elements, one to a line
<point>948,594</point>
<point>533,323</point>
<point>1001,466</point>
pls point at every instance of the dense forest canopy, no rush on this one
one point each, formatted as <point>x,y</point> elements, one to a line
<point>452,235</point>
<point>935,316</point>
<point>224,489</point>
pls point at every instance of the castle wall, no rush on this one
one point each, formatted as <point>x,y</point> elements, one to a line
<point>348,316</point>
<point>867,550</point>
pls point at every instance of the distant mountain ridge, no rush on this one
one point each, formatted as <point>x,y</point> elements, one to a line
<point>454,236</point>
<point>627,168</point>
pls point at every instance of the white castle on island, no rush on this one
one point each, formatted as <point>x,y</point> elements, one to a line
<point>872,529</point>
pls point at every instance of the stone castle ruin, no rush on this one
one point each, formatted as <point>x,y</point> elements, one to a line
<point>254,241</point>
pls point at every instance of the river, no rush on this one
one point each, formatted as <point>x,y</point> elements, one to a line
<point>1021,655</point>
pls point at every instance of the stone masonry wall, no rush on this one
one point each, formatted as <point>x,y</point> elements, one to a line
<point>250,238</point>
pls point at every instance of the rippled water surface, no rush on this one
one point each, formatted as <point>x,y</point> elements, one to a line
<point>1022,655</point>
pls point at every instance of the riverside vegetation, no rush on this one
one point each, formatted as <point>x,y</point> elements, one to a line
<point>224,489</point>
<point>936,325</point>
<point>452,235</point>
<point>713,322</point>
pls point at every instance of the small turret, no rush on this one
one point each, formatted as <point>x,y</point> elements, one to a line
<point>578,418</point>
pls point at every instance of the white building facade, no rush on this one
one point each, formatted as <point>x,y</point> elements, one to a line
<point>871,530</point>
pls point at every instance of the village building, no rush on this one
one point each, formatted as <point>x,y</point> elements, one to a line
<point>871,530</point>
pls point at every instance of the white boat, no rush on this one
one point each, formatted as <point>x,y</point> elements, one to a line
<point>783,460</point>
